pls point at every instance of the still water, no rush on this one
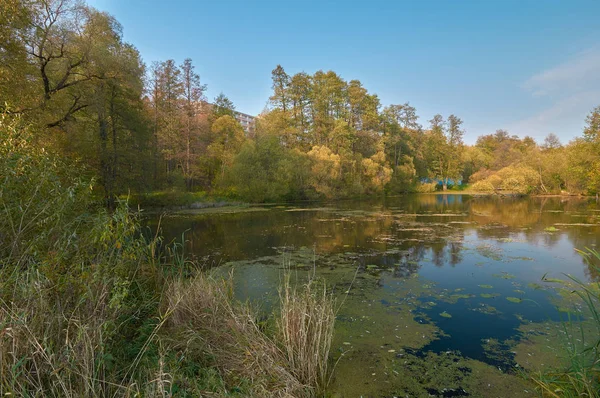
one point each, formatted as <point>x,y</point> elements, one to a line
<point>439,295</point>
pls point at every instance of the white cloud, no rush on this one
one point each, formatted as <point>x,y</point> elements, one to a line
<point>578,73</point>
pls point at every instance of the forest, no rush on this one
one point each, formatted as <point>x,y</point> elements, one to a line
<point>66,71</point>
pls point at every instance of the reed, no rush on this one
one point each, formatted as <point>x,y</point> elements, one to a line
<point>306,331</point>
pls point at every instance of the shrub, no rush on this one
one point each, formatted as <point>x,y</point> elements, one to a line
<point>69,277</point>
<point>482,186</point>
<point>426,187</point>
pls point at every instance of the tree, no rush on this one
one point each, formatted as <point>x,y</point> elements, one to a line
<point>281,82</point>
<point>591,131</point>
<point>222,106</point>
<point>168,105</point>
<point>455,148</point>
<point>227,139</point>
<point>551,142</point>
<point>445,149</point>
<point>192,95</point>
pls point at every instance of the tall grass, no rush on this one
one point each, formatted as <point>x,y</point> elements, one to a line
<point>89,307</point>
<point>581,377</point>
<point>306,329</point>
<point>291,362</point>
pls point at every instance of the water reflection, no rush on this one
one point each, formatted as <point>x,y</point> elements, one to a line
<point>413,226</point>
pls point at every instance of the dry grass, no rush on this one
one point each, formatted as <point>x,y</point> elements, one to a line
<point>292,363</point>
<point>306,331</point>
<point>206,318</point>
<point>48,348</point>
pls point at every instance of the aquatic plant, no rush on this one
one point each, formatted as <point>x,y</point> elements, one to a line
<point>581,376</point>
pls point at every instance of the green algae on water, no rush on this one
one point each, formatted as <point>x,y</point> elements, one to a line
<point>489,295</point>
<point>504,275</point>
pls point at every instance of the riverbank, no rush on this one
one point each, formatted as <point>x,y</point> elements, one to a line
<point>178,200</point>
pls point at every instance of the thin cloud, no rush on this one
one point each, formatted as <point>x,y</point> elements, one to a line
<point>567,92</point>
<point>564,118</point>
<point>577,74</point>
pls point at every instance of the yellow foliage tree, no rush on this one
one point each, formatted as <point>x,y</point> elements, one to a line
<point>376,171</point>
<point>325,170</point>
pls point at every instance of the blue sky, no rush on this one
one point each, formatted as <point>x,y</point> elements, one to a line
<point>531,67</point>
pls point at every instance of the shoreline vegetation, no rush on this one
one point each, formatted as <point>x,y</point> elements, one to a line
<point>182,201</point>
<point>89,306</point>
<point>149,130</point>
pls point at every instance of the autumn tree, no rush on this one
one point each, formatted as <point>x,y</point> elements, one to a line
<point>192,95</point>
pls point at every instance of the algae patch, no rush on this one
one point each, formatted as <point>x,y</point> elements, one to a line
<point>514,300</point>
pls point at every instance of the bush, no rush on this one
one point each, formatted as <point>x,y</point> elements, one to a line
<point>427,187</point>
<point>482,186</point>
<point>70,276</point>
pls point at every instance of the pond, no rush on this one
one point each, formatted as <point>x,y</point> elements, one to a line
<point>439,295</point>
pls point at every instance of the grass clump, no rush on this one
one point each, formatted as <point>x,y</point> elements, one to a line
<point>305,328</point>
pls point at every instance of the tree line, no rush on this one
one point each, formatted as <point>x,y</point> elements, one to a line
<point>66,70</point>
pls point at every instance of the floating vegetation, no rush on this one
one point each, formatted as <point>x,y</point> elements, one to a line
<point>578,225</point>
<point>498,352</point>
<point>551,229</point>
<point>486,309</point>
<point>489,251</point>
<point>445,315</point>
<point>519,291</point>
<point>504,275</point>
<point>486,286</point>
<point>489,295</point>
<point>522,258</point>
<point>456,297</point>
<point>309,209</point>
<point>514,299</point>
<point>535,286</point>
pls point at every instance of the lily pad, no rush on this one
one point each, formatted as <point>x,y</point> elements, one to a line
<point>486,286</point>
<point>514,299</point>
<point>445,315</point>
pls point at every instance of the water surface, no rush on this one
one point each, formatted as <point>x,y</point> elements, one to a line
<point>442,294</point>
